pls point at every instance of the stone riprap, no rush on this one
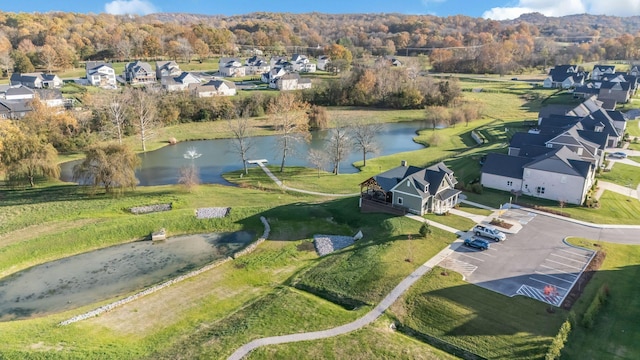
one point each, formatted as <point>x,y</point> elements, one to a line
<point>212,212</point>
<point>326,244</point>
<point>150,209</point>
<point>151,290</point>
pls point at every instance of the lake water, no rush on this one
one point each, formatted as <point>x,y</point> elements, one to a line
<point>161,167</point>
<point>102,274</point>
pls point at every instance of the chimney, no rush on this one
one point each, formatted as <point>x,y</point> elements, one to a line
<point>403,163</point>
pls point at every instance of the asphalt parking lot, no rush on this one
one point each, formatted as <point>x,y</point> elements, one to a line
<point>535,262</point>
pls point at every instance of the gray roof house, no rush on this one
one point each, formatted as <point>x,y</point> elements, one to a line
<point>36,80</point>
<point>139,72</point>
<point>412,189</point>
<point>565,76</point>
<point>167,68</point>
<point>231,67</point>
<point>601,70</point>
<point>101,74</point>
<point>180,82</point>
<point>215,88</point>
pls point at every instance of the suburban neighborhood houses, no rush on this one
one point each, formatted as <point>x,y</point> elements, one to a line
<point>558,159</point>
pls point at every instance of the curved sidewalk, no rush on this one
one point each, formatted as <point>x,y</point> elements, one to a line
<point>284,187</point>
<point>357,324</point>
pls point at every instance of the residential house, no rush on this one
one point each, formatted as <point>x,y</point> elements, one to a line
<point>231,67</point>
<point>635,70</point>
<point>51,97</point>
<point>139,72</point>
<point>14,109</point>
<point>179,83</point>
<point>558,174</point>
<point>257,65</point>
<point>19,93</point>
<point>616,91</point>
<point>167,69</point>
<point>292,81</point>
<point>602,70</point>
<point>418,190</point>
<point>215,88</point>
<point>36,80</point>
<point>300,63</point>
<point>557,160</point>
<point>278,61</point>
<point>101,74</point>
<point>323,60</point>
<point>272,76</point>
<point>565,76</point>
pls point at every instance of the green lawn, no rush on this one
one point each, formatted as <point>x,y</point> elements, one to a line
<point>615,332</point>
<point>457,222</point>
<point>633,128</point>
<point>374,341</point>
<point>481,321</point>
<point>622,174</point>
<point>474,210</point>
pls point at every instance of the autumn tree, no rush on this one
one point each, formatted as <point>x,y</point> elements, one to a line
<point>110,166</point>
<point>364,138</point>
<point>289,116</point>
<point>318,118</point>
<point>143,114</point>
<point>25,156</point>
<point>242,144</point>
<point>21,62</point>
<point>201,49</point>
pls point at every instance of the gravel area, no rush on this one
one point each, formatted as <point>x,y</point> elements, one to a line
<point>212,212</point>
<point>326,244</point>
<point>150,209</point>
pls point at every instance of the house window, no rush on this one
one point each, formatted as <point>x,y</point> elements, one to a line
<point>399,201</point>
<point>509,183</point>
<point>408,183</point>
<point>540,190</point>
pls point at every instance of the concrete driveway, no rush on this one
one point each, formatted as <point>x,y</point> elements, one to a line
<point>534,259</point>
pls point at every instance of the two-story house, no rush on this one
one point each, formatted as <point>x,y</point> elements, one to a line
<point>231,67</point>
<point>101,74</point>
<point>36,80</point>
<point>139,72</point>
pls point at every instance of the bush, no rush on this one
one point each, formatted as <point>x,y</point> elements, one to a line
<point>558,342</point>
<point>594,308</point>
<point>476,188</point>
<point>425,229</point>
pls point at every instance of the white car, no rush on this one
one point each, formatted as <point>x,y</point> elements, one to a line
<point>489,232</point>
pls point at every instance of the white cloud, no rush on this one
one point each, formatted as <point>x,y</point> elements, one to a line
<point>122,7</point>
<point>567,7</point>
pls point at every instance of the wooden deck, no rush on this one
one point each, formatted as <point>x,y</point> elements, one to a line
<point>372,206</point>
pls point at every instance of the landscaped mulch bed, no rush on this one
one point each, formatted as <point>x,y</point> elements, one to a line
<point>583,280</point>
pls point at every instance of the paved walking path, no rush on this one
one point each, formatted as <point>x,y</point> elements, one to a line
<point>357,324</point>
<point>283,186</point>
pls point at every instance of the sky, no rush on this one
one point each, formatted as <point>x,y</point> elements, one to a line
<point>493,9</point>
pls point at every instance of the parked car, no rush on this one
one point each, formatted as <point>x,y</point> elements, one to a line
<point>489,232</point>
<point>477,243</point>
<point>618,155</point>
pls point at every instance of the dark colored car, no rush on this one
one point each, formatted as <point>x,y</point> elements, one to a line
<point>477,243</point>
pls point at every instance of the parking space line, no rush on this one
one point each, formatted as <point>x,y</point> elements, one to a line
<point>566,258</point>
<point>553,277</point>
<point>563,264</point>
<point>547,283</point>
<point>572,253</point>
<point>475,258</point>
<point>558,270</point>
<point>486,254</point>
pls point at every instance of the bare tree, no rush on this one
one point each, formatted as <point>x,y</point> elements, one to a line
<point>117,110</point>
<point>364,138</point>
<point>143,110</point>
<point>6,62</point>
<point>189,177</point>
<point>124,49</point>
<point>240,128</point>
<point>185,49</point>
<point>457,117</point>
<point>318,158</point>
<point>290,119</point>
<point>338,147</point>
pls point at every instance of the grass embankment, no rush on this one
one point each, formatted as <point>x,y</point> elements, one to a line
<point>622,174</point>
<point>375,341</point>
<point>614,334</point>
<point>478,320</point>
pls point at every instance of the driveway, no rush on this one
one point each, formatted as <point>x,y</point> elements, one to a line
<point>534,259</point>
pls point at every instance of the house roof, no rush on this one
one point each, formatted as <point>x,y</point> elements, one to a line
<point>603,68</point>
<point>390,178</point>
<point>600,117</point>
<point>616,115</point>
<point>521,139</point>
<point>504,165</point>
<point>562,161</point>
<point>137,66</point>
<point>19,90</point>
<point>16,105</point>
<point>586,107</point>
<point>93,65</point>
<point>49,94</point>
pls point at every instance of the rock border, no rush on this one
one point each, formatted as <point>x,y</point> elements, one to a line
<point>151,290</point>
<point>139,210</point>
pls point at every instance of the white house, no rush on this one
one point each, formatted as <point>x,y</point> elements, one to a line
<point>602,70</point>
<point>231,67</point>
<point>101,74</point>
<point>167,68</point>
<point>323,60</point>
<point>215,88</point>
<point>292,81</point>
<point>36,80</point>
<point>257,65</point>
<point>180,82</point>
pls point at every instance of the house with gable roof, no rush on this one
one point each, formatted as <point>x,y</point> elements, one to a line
<point>101,74</point>
<point>292,81</point>
<point>167,68</point>
<point>139,72</point>
<point>214,88</point>
<point>565,77</point>
<point>300,63</point>
<point>416,190</point>
<point>323,60</point>
<point>257,65</point>
<point>180,82</point>
<point>231,67</point>
<point>602,70</point>
<point>36,80</point>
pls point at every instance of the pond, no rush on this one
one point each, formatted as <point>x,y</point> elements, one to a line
<point>162,166</point>
<point>106,273</point>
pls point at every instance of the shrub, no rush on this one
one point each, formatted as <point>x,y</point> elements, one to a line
<point>425,229</point>
<point>558,342</point>
<point>476,188</point>
<point>594,308</point>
